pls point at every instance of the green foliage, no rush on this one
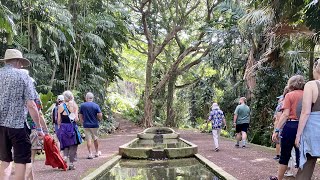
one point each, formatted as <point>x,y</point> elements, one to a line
<point>47,101</point>
<point>270,84</point>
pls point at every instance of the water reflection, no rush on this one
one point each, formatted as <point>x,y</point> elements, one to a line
<point>155,144</point>
<point>175,169</point>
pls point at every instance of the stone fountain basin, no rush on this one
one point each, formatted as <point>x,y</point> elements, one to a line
<point>165,132</point>
<point>150,149</point>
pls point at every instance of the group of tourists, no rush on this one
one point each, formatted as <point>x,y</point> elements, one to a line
<point>297,123</point>
<point>241,120</point>
<point>23,126</point>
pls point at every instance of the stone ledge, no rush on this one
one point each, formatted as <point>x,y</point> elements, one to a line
<point>215,168</point>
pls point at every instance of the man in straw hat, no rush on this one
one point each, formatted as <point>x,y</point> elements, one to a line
<point>17,95</point>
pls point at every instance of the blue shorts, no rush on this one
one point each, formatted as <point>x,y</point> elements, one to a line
<point>288,134</point>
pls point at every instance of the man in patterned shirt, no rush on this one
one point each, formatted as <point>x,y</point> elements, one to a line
<point>217,118</point>
<point>17,95</point>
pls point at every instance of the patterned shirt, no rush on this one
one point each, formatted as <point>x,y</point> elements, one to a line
<point>30,123</point>
<point>16,88</point>
<point>216,116</point>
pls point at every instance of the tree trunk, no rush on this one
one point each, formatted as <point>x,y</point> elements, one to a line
<point>311,61</point>
<point>53,75</point>
<point>147,119</point>
<point>170,111</point>
<point>250,79</point>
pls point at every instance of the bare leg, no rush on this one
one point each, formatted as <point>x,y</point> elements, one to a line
<point>20,171</point>
<point>5,170</point>
<point>96,145</point>
<point>29,167</point>
<point>278,149</point>
<point>238,138</point>
<point>244,136</point>
<point>89,143</point>
<point>281,170</point>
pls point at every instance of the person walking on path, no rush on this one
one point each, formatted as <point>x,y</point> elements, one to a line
<point>90,115</point>
<point>67,118</point>
<point>36,142</point>
<point>54,118</point>
<point>241,120</point>
<point>290,117</point>
<point>216,118</point>
<point>308,134</point>
<point>17,95</point>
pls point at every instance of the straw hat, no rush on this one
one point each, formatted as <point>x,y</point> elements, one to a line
<point>15,54</point>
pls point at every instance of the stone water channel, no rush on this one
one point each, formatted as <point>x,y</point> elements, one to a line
<point>159,154</point>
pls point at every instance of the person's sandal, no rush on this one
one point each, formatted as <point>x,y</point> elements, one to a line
<point>273,178</point>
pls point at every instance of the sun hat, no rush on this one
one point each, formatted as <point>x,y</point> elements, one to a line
<point>215,106</point>
<point>60,98</point>
<point>15,54</point>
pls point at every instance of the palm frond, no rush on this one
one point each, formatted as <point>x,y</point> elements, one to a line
<point>257,18</point>
<point>95,39</point>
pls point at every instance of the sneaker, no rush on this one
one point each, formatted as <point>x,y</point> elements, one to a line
<point>277,157</point>
<point>237,145</point>
<point>288,174</point>
<point>243,146</point>
<point>71,167</point>
<point>90,156</point>
<point>216,149</point>
<point>98,154</point>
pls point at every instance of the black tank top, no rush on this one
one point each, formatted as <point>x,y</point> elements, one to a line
<point>316,105</point>
<point>65,118</point>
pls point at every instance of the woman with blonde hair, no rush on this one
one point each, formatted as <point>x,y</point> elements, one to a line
<point>308,135</point>
<point>67,118</point>
<point>290,119</point>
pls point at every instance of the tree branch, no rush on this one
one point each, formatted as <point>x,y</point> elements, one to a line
<point>193,63</point>
<point>143,4</point>
<point>188,84</point>
<point>146,31</point>
<point>167,39</point>
<point>192,8</point>
<point>172,70</point>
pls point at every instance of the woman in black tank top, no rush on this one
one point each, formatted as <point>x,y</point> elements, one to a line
<point>308,134</point>
<point>67,136</point>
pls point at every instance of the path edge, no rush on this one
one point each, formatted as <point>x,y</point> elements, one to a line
<point>102,169</point>
<point>215,168</point>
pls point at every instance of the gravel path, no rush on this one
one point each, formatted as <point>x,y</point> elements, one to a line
<point>108,146</point>
<point>254,162</point>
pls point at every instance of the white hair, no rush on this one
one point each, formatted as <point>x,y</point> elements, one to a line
<point>68,96</point>
<point>89,96</point>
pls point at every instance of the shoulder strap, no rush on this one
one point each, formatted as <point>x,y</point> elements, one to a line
<point>66,109</point>
<point>318,85</point>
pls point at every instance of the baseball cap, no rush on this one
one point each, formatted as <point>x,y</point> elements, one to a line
<point>280,97</point>
<point>60,98</point>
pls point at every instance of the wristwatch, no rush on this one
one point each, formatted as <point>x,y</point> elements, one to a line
<point>276,130</point>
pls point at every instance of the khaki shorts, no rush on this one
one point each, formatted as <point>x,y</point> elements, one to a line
<point>36,143</point>
<point>91,133</point>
